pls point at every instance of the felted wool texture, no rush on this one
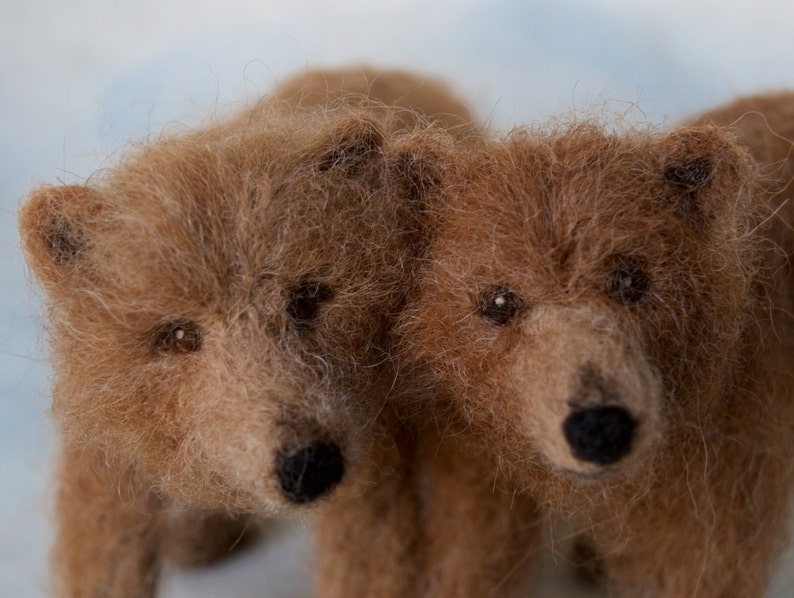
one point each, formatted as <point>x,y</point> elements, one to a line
<point>589,266</point>
<point>218,302</point>
<point>412,528</point>
<point>369,534</point>
<point>422,98</point>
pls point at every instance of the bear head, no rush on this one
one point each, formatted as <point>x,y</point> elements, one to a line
<point>219,301</point>
<point>587,290</point>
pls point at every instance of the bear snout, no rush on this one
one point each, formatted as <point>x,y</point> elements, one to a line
<point>602,434</point>
<point>308,472</point>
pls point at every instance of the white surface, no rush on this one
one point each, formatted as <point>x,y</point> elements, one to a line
<point>278,567</point>
<point>80,78</point>
<point>281,568</point>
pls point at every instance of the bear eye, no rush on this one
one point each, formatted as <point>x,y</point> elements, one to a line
<point>627,283</point>
<point>499,306</point>
<point>179,337</point>
<point>306,300</point>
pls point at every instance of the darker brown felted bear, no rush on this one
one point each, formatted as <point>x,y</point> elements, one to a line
<point>606,320</point>
<point>218,307</point>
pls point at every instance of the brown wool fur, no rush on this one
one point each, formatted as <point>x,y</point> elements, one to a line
<point>422,98</point>
<point>588,267</point>
<point>217,301</point>
<point>368,533</point>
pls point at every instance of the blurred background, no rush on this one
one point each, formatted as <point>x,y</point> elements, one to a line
<point>79,79</point>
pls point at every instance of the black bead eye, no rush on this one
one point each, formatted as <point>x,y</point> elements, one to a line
<point>305,302</point>
<point>627,283</point>
<point>184,336</point>
<point>499,306</point>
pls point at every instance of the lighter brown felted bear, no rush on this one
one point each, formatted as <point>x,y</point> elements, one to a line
<point>606,319</point>
<point>218,308</point>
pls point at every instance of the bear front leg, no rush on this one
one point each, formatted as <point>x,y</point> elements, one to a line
<point>481,538</point>
<point>197,538</point>
<point>367,534</point>
<point>107,532</point>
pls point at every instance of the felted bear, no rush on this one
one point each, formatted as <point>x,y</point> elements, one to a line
<point>218,306</point>
<point>605,325</point>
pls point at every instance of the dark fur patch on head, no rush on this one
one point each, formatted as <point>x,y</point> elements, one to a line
<point>696,158</point>
<point>689,176</point>
<point>421,167</point>
<point>418,176</point>
<point>687,181</point>
<point>627,283</point>
<point>55,228</point>
<point>305,302</point>
<point>351,143</point>
<point>64,240</point>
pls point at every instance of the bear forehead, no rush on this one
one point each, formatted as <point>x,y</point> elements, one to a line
<point>561,182</point>
<point>532,200</point>
<point>550,213</point>
<point>187,215</point>
<point>206,180</point>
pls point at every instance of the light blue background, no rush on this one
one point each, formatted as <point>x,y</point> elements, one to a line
<point>80,78</point>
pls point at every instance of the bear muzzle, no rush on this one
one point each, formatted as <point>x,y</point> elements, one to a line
<point>309,472</point>
<point>590,399</point>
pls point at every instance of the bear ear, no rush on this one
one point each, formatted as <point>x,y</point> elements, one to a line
<point>424,165</point>
<point>51,226</point>
<point>703,170</point>
<point>425,162</point>
<point>349,145</point>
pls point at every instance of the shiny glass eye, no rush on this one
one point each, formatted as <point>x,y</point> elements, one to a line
<point>499,306</point>
<point>627,283</point>
<point>305,302</point>
<point>183,336</point>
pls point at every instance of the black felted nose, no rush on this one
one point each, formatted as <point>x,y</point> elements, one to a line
<point>308,472</point>
<point>600,435</point>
